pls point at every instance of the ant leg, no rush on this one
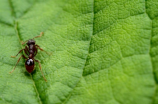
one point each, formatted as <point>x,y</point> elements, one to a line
<point>18,52</point>
<point>41,69</point>
<point>26,50</point>
<point>42,49</point>
<point>18,62</point>
<point>39,35</point>
<point>35,51</point>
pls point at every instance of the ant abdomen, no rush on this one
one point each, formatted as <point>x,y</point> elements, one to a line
<point>29,64</point>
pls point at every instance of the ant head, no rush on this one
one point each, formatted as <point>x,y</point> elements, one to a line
<point>31,41</point>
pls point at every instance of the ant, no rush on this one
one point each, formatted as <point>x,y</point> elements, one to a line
<point>31,51</point>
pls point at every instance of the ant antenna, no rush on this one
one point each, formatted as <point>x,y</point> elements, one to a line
<point>24,42</point>
<point>32,38</point>
<point>39,35</point>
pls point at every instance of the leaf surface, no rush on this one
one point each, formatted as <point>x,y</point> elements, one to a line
<point>102,51</point>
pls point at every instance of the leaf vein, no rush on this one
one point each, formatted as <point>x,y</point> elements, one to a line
<point>69,96</point>
<point>154,74</point>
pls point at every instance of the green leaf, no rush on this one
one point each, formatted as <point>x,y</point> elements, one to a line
<point>102,51</point>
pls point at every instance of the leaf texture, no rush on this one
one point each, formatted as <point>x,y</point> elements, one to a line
<point>102,51</point>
